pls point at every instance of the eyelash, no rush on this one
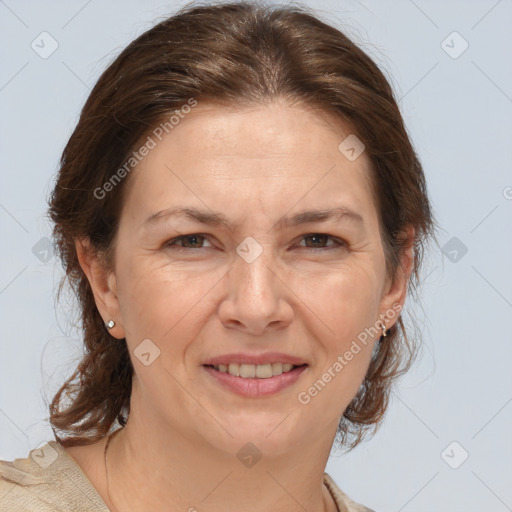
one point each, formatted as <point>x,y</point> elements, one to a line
<point>338,243</point>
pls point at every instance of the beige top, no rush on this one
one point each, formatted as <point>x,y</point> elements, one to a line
<point>37,484</point>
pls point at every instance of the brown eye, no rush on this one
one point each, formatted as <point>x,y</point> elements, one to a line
<point>193,241</point>
<point>319,241</point>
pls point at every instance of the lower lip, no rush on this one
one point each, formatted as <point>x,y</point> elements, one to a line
<point>253,387</point>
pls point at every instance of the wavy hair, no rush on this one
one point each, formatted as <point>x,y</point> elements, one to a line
<point>241,53</point>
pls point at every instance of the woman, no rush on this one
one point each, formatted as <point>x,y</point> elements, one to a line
<point>242,215</point>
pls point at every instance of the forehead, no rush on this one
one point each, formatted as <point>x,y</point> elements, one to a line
<point>266,156</point>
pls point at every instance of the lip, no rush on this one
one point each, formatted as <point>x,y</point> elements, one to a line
<point>263,358</point>
<point>254,387</point>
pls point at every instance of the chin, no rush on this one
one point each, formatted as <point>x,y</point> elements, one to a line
<point>274,436</point>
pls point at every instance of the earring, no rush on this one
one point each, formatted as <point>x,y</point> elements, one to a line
<point>384,329</point>
<point>110,324</point>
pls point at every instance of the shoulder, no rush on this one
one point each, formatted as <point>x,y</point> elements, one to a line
<point>344,503</point>
<point>47,479</point>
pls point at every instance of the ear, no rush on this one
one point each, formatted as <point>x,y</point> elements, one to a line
<point>395,292</point>
<point>103,285</point>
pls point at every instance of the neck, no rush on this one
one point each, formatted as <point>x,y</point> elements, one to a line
<point>161,469</point>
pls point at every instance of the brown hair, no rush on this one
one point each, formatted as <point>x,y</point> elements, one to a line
<point>236,54</point>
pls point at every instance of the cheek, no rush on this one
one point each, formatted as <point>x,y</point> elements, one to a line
<point>345,302</point>
<point>156,302</point>
<point>345,299</point>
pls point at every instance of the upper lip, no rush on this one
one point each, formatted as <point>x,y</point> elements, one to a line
<point>264,358</point>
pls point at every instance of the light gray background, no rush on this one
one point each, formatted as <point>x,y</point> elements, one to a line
<point>459,114</point>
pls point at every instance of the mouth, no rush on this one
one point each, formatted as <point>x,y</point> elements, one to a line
<point>255,381</point>
<point>254,371</point>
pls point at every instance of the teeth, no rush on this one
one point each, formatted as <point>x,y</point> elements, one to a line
<point>260,371</point>
<point>263,371</point>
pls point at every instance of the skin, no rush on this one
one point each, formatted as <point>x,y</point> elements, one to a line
<point>300,296</point>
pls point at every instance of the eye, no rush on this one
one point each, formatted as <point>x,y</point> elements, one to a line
<point>187,241</point>
<point>196,241</point>
<point>319,239</point>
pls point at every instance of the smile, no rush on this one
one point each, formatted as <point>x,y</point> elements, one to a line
<point>260,371</point>
<point>255,381</point>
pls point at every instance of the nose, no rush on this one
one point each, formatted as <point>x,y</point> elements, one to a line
<point>257,297</point>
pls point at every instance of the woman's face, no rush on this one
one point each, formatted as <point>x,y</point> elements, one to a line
<point>265,280</point>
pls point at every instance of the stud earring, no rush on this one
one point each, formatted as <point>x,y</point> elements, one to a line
<point>384,329</point>
<point>110,324</point>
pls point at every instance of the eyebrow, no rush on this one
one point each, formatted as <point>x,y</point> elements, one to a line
<point>215,219</point>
